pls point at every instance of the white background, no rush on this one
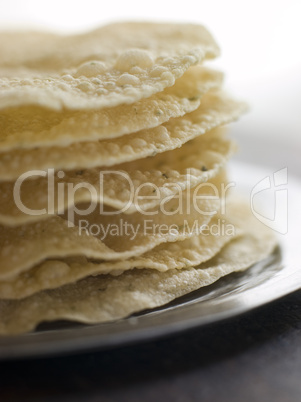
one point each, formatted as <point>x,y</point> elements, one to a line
<point>261,53</point>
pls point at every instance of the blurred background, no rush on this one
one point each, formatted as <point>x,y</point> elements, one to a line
<point>260,42</point>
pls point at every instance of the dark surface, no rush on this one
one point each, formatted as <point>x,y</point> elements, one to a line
<point>254,357</point>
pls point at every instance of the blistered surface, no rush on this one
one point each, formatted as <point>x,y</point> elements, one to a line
<point>113,65</point>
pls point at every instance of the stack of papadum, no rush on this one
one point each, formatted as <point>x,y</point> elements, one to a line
<point>113,194</point>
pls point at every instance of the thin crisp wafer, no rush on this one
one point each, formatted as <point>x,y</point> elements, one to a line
<point>177,255</point>
<point>216,109</point>
<point>29,127</point>
<point>140,184</point>
<point>107,237</point>
<point>113,65</point>
<point>106,298</point>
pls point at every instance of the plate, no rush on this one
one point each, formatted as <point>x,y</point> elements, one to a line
<point>277,276</point>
